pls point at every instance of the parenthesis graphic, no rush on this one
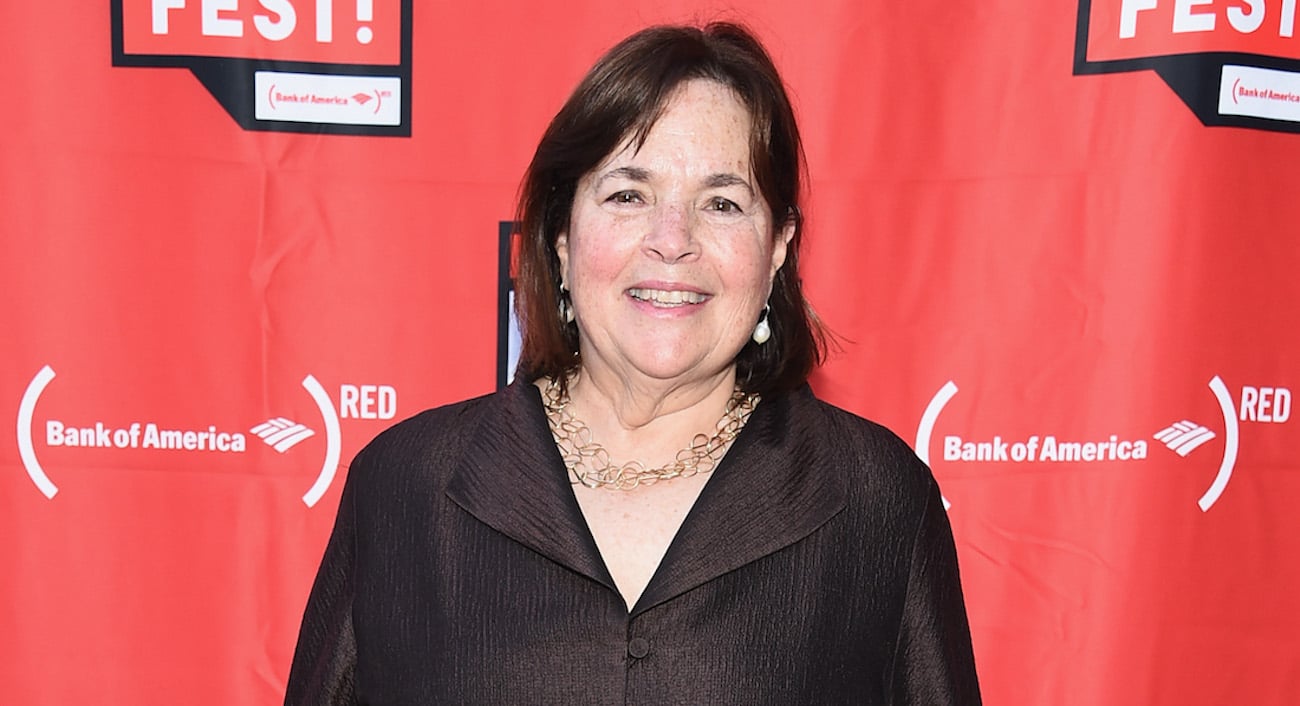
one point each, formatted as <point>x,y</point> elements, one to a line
<point>1229,445</point>
<point>379,101</point>
<point>1234,100</point>
<point>333,443</point>
<point>926,427</point>
<point>270,96</point>
<point>25,450</point>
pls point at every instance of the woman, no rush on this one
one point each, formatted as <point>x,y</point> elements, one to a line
<point>658,510</point>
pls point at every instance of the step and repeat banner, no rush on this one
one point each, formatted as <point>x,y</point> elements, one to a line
<point>1058,244</point>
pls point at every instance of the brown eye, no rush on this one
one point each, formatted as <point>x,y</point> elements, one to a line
<point>624,197</point>
<point>722,205</point>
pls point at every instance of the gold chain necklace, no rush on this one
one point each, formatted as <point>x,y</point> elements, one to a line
<point>589,463</point>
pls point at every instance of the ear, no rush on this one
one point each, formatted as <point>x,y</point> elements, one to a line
<point>562,252</point>
<point>781,244</point>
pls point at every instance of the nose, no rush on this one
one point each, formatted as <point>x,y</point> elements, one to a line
<point>671,238</point>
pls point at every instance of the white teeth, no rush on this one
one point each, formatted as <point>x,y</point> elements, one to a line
<point>663,297</point>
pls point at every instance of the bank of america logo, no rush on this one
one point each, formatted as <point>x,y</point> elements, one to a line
<point>281,434</point>
<point>1184,437</point>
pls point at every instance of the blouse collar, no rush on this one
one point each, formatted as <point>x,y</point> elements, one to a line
<point>776,485</point>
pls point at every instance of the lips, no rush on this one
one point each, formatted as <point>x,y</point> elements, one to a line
<point>667,297</point>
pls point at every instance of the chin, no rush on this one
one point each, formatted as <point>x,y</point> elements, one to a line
<point>675,364</point>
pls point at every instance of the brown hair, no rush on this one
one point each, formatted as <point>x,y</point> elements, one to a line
<point>623,95</point>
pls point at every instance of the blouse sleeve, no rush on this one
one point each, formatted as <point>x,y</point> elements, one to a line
<point>934,663</point>
<point>324,662</point>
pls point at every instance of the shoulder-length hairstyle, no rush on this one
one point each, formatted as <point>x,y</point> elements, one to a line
<point>621,98</point>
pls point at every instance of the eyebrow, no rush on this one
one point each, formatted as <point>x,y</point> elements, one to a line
<point>637,174</point>
<point>718,181</point>
<point>642,176</point>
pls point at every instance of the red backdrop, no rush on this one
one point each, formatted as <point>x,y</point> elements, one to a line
<point>1059,247</point>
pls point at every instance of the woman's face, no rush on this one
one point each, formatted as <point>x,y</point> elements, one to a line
<point>670,251</point>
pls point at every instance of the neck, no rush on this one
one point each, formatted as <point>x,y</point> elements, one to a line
<point>635,404</point>
<point>590,463</point>
<point>651,421</point>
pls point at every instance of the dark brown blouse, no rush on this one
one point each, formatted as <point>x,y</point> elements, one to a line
<point>816,567</point>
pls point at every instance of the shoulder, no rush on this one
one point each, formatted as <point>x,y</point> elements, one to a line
<point>857,436</point>
<point>422,448</point>
<point>877,463</point>
<point>431,427</point>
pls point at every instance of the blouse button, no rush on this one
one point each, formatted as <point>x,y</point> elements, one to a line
<point>638,647</point>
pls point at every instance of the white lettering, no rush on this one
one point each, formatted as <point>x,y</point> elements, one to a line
<point>1286,27</point>
<point>1052,449</point>
<point>160,8</point>
<point>1187,21</point>
<point>1049,449</point>
<point>137,435</point>
<point>1128,10</point>
<point>1249,398</point>
<point>387,402</point>
<point>282,26</point>
<point>999,449</point>
<point>1265,404</point>
<point>1281,405</point>
<point>53,433</point>
<point>367,401</point>
<point>98,436</point>
<point>324,21</point>
<point>349,395</point>
<point>1246,22</point>
<point>214,25</point>
<point>952,447</point>
<point>1069,451</point>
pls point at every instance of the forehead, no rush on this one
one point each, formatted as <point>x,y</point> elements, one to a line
<point>702,121</point>
<point>705,101</point>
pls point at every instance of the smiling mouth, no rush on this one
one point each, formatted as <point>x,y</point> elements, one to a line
<point>667,298</point>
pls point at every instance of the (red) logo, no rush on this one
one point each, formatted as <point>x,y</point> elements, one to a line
<point>1042,444</point>
<point>60,433</point>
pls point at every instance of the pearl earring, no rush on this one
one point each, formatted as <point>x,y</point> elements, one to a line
<point>566,307</point>
<point>762,331</point>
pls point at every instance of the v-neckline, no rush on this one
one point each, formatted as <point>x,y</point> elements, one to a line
<point>770,490</point>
